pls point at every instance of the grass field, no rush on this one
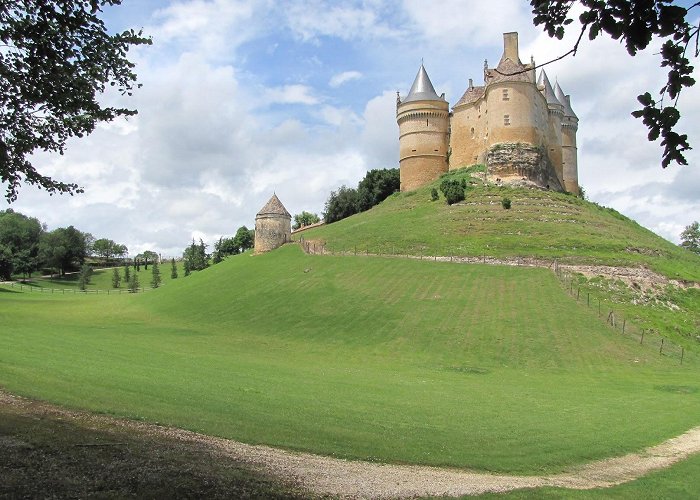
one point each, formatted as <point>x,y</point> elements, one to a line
<point>396,360</point>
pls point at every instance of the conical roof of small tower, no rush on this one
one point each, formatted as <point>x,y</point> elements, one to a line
<point>565,101</point>
<point>548,91</point>
<point>422,88</point>
<point>274,207</point>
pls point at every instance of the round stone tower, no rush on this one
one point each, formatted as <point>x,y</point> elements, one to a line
<point>424,123</point>
<point>555,111</point>
<point>569,126</point>
<point>273,226</point>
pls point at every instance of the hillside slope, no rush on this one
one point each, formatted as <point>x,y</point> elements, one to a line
<point>541,224</point>
<point>395,360</point>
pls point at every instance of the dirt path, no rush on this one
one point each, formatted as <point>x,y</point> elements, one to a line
<point>348,479</point>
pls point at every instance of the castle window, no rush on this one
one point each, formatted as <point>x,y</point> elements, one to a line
<point>506,119</point>
<point>505,95</point>
<point>472,132</point>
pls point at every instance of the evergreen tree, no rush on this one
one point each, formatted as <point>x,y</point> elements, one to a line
<point>155,274</point>
<point>134,283</point>
<point>127,273</point>
<point>173,269</point>
<point>187,267</point>
<point>138,266</point>
<point>84,276</point>
<point>116,278</point>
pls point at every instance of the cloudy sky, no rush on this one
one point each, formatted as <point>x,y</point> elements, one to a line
<point>243,98</point>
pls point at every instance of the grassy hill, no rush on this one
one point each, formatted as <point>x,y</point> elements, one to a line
<point>398,360</point>
<point>541,224</point>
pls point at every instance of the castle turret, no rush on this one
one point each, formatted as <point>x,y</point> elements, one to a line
<point>569,126</point>
<point>273,226</point>
<point>555,111</point>
<point>423,119</point>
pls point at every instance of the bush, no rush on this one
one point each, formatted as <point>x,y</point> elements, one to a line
<point>506,203</point>
<point>434,195</point>
<point>452,190</point>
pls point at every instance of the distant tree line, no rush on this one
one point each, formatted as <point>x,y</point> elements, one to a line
<point>374,188</point>
<point>26,246</point>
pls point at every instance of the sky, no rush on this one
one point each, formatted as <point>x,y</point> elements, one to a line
<point>245,98</point>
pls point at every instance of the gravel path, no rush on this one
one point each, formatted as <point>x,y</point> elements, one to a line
<point>351,479</point>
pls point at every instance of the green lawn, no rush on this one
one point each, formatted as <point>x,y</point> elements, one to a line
<point>397,360</point>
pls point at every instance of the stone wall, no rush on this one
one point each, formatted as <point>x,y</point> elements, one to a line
<point>509,161</point>
<point>271,231</point>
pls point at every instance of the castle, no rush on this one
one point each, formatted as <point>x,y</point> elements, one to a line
<point>273,226</point>
<point>523,130</point>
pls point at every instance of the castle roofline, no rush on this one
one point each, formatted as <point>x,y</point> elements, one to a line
<point>422,88</point>
<point>273,207</point>
<point>547,90</point>
<point>565,101</point>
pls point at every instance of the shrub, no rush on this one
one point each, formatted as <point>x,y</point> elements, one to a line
<point>434,195</point>
<point>452,190</point>
<point>505,202</point>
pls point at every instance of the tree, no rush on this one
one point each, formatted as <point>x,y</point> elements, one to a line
<point>173,269</point>
<point>434,195</point>
<point>340,204</point>
<point>376,186</point>
<point>146,256</point>
<point>195,257</point>
<point>244,239</point>
<point>305,219</point>
<point>637,23</point>
<point>19,243</point>
<point>155,275</point>
<point>84,276</point>
<point>57,58</point>
<point>127,273</point>
<point>64,248</point>
<point>690,237</point>
<point>134,283</point>
<point>116,278</point>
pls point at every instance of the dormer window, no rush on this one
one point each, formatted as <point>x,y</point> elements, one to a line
<point>506,97</point>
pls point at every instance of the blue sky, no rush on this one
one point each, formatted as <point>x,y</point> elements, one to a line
<point>243,98</point>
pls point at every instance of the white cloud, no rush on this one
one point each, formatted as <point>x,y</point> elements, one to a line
<point>291,94</point>
<point>346,76</point>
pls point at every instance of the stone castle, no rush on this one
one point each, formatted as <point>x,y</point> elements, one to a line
<point>522,129</point>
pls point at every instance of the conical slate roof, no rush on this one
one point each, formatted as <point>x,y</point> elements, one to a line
<point>548,91</point>
<point>565,101</point>
<point>422,88</point>
<point>274,207</point>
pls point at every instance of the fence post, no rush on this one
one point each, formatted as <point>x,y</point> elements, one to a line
<point>589,299</point>
<point>682,353</point>
<point>599,307</point>
<point>661,349</point>
<point>355,249</point>
<point>578,293</point>
<point>642,339</point>
<point>624,323</point>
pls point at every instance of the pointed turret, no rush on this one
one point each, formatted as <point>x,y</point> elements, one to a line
<point>424,124</point>
<point>272,226</point>
<point>548,91</point>
<point>565,100</point>
<point>422,88</point>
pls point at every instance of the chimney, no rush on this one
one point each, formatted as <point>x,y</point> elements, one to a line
<point>510,46</point>
<point>471,83</point>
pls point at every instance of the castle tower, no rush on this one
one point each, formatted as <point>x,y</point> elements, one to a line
<point>273,226</point>
<point>555,110</point>
<point>423,119</point>
<point>510,94</point>
<point>569,126</point>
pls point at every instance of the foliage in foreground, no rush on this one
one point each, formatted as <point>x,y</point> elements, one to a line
<point>375,187</point>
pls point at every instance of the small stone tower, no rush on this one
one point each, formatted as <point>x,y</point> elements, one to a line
<point>569,126</point>
<point>273,226</point>
<point>424,122</point>
<point>555,112</point>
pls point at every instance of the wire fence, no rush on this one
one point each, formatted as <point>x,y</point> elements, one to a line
<point>607,311</point>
